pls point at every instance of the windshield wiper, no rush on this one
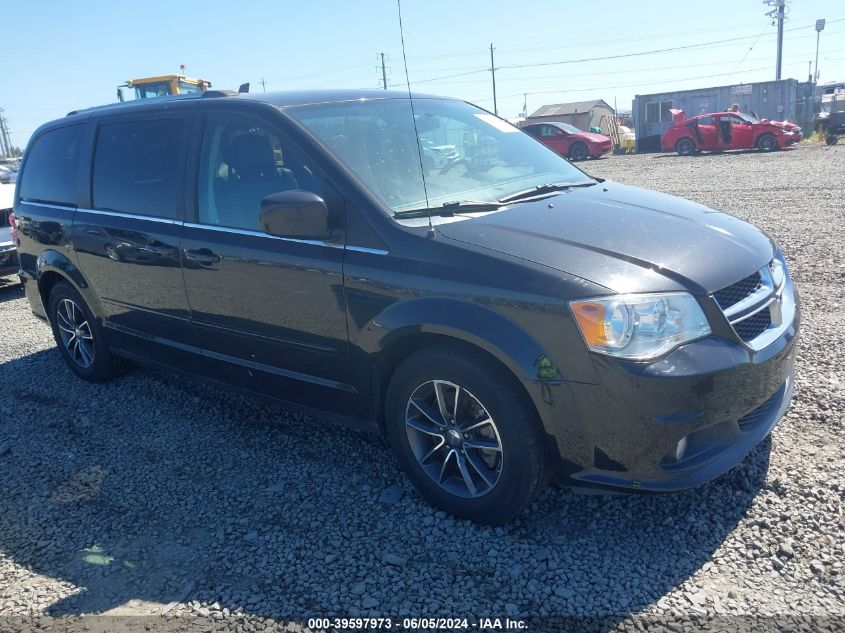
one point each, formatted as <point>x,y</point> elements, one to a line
<point>541,190</point>
<point>450,208</point>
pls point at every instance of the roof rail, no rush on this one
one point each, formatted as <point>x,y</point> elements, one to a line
<point>211,94</point>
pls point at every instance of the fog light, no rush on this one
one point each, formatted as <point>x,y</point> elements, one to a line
<point>680,449</point>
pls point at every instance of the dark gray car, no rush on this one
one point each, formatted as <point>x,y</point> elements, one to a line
<point>500,315</point>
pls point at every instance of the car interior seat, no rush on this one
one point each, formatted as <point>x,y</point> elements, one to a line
<point>253,176</point>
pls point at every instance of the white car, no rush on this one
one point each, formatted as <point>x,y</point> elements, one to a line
<point>8,251</point>
<point>7,175</point>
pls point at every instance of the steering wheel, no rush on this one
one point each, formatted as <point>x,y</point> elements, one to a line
<point>454,163</point>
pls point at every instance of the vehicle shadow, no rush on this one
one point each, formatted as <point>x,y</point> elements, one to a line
<point>733,152</point>
<point>10,289</point>
<point>152,488</point>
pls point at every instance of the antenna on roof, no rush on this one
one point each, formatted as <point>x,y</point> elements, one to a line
<point>414,118</point>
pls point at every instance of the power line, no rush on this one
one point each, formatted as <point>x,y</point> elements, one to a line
<point>642,83</point>
<point>641,53</point>
<point>608,57</point>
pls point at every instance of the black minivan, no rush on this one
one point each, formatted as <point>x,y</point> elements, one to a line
<point>418,266</point>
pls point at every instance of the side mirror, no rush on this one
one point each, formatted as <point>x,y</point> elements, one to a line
<point>295,213</point>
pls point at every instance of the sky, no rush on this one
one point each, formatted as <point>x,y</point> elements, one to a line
<point>63,56</point>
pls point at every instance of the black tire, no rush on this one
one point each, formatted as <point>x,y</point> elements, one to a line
<point>831,139</point>
<point>64,300</point>
<point>685,146</point>
<point>579,151</point>
<point>767,143</point>
<point>521,465</point>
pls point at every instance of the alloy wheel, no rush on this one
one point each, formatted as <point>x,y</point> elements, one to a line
<point>685,147</point>
<point>75,332</point>
<point>579,152</point>
<point>454,438</point>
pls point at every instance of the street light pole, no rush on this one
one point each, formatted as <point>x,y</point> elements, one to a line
<point>493,71</point>
<point>819,29</point>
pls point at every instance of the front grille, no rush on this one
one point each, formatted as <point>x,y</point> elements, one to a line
<point>761,413</point>
<point>733,294</point>
<point>753,326</point>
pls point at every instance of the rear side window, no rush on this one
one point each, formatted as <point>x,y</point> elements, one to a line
<point>52,163</point>
<point>139,167</point>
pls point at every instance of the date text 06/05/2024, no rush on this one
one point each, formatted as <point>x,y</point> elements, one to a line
<point>414,624</point>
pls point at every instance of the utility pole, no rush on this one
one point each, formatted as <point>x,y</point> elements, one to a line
<point>5,142</point>
<point>263,85</point>
<point>383,73</point>
<point>778,14</point>
<point>493,71</point>
<point>781,5</point>
<point>819,29</point>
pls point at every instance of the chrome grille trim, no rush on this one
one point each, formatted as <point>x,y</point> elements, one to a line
<point>762,293</point>
<point>778,300</point>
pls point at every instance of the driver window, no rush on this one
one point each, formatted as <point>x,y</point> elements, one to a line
<point>242,162</point>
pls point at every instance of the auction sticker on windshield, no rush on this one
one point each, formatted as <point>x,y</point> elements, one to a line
<point>496,122</point>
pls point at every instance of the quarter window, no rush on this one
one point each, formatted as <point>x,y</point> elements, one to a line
<point>138,167</point>
<point>52,163</point>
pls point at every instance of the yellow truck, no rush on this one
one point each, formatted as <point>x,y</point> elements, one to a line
<point>162,86</point>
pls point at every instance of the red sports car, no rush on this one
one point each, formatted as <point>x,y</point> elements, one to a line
<point>720,131</point>
<point>570,142</point>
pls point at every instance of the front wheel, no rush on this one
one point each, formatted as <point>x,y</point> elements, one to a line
<point>579,151</point>
<point>465,436</point>
<point>767,143</point>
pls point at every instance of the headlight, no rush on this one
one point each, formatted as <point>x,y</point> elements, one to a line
<point>778,270</point>
<point>639,326</point>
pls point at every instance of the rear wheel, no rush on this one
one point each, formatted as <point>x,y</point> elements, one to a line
<point>685,147</point>
<point>767,143</point>
<point>79,336</point>
<point>464,435</point>
<point>579,151</point>
<point>831,139</point>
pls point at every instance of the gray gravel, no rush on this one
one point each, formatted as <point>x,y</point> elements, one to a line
<point>157,495</point>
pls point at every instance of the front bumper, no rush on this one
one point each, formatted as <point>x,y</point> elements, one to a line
<point>675,423</point>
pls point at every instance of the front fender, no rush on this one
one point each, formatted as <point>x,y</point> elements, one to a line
<point>53,261</point>
<point>468,321</point>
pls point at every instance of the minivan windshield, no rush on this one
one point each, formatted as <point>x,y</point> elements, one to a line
<point>466,156</point>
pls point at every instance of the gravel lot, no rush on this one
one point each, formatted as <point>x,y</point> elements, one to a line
<point>157,495</point>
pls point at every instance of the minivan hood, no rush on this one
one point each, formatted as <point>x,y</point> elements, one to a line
<point>624,238</point>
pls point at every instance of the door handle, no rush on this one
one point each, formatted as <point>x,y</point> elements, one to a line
<point>202,256</point>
